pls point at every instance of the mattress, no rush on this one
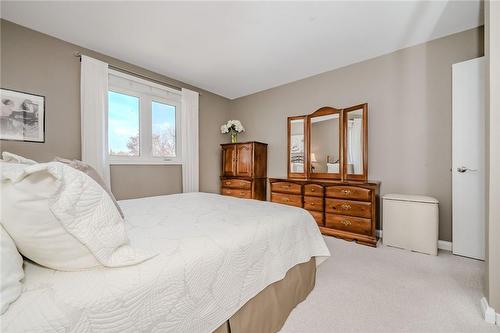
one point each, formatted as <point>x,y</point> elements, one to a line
<point>214,254</point>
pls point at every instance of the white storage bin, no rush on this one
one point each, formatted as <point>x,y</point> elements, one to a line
<point>411,222</point>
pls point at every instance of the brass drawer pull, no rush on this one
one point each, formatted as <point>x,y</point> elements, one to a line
<point>228,183</point>
<point>311,203</point>
<point>346,192</point>
<point>345,206</point>
<point>287,199</point>
<point>345,222</point>
<point>313,189</point>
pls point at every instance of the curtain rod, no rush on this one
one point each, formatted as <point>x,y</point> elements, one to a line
<point>126,71</point>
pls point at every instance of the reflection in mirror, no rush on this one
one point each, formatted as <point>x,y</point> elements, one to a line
<point>297,152</point>
<point>325,143</point>
<point>354,142</point>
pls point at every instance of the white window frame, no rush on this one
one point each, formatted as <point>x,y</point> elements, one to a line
<point>145,122</point>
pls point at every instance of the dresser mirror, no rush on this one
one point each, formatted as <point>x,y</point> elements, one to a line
<point>325,135</point>
<point>296,147</point>
<point>355,148</point>
<point>329,143</point>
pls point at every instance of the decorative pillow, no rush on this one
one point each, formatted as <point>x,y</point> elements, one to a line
<point>62,219</point>
<point>92,173</point>
<point>9,157</point>
<point>12,271</point>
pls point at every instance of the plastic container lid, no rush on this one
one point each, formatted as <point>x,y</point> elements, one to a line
<point>412,198</point>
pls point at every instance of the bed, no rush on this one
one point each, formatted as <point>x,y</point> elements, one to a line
<point>217,258</point>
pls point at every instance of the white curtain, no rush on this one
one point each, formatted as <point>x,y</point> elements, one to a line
<point>189,141</point>
<point>355,149</point>
<point>94,107</point>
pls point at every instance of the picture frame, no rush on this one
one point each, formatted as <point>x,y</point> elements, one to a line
<point>22,116</point>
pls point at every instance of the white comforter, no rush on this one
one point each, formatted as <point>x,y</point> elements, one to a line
<point>215,253</point>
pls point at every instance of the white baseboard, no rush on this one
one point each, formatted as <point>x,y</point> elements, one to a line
<point>489,313</point>
<point>442,245</point>
<point>445,245</point>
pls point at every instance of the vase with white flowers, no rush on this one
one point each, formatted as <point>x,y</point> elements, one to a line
<point>232,127</point>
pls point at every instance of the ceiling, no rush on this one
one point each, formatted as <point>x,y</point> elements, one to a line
<point>238,48</point>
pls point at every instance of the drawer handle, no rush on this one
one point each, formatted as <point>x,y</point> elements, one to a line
<point>313,189</point>
<point>287,199</point>
<point>311,203</point>
<point>228,183</point>
<point>345,206</point>
<point>346,191</point>
<point>228,191</point>
<point>345,222</point>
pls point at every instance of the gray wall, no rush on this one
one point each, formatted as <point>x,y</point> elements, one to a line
<point>136,181</point>
<point>409,97</point>
<point>37,63</point>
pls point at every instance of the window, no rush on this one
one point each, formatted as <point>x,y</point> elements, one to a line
<point>143,121</point>
<point>164,133</point>
<point>123,124</point>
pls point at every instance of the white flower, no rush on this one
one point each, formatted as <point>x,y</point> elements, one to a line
<point>232,125</point>
<point>239,128</point>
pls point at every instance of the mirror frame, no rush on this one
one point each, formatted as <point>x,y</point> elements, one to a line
<point>363,176</point>
<point>326,110</point>
<point>291,174</point>
<point>343,175</point>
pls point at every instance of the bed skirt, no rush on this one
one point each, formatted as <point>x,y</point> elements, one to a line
<point>269,309</point>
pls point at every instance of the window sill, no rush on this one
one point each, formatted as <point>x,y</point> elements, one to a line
<point>145,162</point>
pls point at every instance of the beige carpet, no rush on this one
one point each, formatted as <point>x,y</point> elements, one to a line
<point>362,289</point>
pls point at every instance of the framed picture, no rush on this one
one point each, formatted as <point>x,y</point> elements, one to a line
<point>22,116</point>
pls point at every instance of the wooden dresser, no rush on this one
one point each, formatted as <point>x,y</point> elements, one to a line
<point>244,170</point>
<point>347,210</point>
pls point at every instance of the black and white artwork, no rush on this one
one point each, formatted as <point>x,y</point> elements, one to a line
<point>22,116</point>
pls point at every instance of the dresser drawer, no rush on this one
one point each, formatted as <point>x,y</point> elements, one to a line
<point>349,192</point>
<point>352,224</point>
<point>318,217</point>
<point>313,203</point>
<point>287,199</point>
<point>239,193</point>
<point>349,207</point>
<point>286,187</point>
<point>313,190</point>
<point>237,183</point>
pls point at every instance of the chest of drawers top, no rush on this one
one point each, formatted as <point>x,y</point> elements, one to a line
<point>327,188</point>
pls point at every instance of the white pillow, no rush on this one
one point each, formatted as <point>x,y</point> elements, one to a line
<point>12,271</point>
<point>9,157</point>
<point>62,219</point>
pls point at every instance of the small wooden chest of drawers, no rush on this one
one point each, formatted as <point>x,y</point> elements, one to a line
<point>346,210</point>
<point>244,170</point>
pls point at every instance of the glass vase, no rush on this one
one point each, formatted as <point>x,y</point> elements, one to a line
<point>234,137</point>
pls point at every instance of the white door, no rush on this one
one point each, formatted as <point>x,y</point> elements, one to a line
<point>468,158</point>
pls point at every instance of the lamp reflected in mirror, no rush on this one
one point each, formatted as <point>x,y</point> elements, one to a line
<point>313,161</point>
<point>325,143</point>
